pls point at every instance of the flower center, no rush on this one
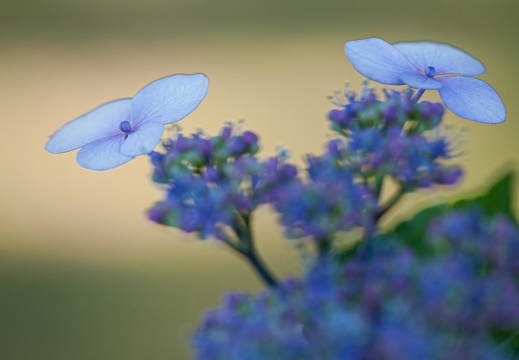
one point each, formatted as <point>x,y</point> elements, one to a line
<point>430,71</point>
<point>125,126</point>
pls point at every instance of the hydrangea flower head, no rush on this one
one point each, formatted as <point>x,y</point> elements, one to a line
<point>392,137</point>
<point>389,305</point>
<point>211,181</point>
<point>116,132</point>
<point>428,65</point>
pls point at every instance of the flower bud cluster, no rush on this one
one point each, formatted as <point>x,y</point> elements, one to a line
<point>490,245</point>
<point>391,137</point>
<point>392,305</point>
<point>329,200</point>
<point>212,180</point>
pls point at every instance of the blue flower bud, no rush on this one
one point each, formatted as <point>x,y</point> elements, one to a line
<point>249,138</point>
<point>339,116</point>
<point>370,97</point>
<point>288,171</point>
<point>335,147</point>
<point>226,132</point>
<point>158,213</point>
<point>236,146</point>
<point>430,71</point>
<point>448,176</point>
<point>182,143</point>
<point>390,113</point>
<point>212,174</point>
<point>125,126</point>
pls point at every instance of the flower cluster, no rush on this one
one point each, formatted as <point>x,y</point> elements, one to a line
<point>329,200</point>
<point>489,246</point>
<point>392,137</point>
<point>213,181</point>
<point>392,305</point>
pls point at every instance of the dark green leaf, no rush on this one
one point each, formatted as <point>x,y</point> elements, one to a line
<point>496,200</point>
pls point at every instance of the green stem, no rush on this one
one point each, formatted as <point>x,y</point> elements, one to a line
<point>261,268</point>
<point>390,203</point>
<point>247,248</point>
<point>324,246</point>
<point>378,186</point>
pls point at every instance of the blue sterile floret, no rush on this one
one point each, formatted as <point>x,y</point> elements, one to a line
<point>428,65</point>
<point>118,131</point>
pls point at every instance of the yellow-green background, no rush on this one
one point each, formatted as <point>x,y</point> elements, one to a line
<point>83,274</point>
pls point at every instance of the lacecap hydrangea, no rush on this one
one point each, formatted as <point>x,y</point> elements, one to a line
<point>460,303</point>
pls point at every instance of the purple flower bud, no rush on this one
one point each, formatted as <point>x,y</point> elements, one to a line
<point>211,174</point>
<point>244,204</point>
<point>158,213</point>
<point>288,171</point>
<point>226,132</point>
<point>430,71</point>
<point>339,117</point>
<point>236,146</point>
<point>156,158</point>
<point>439,148</point>
<point>271,165</point>
<point>182,143</point>
<point>189,222</point>
<point>160,174</point>
<point>335,147</point>
<point>448,176</point>
<point>203,146</point>
<point>430,114</point>
<point>438,109</point>
<point>390,113</point>
<point>367,140</point>
<point>125,126</point>
<point>249,138</point>
<point>370,97</point>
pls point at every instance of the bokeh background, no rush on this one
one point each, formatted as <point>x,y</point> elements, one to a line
<point>83,273</point>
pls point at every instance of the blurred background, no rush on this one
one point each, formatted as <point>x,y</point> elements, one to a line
<point>83,273</point>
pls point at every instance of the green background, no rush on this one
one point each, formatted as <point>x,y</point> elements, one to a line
<point>83,274</point>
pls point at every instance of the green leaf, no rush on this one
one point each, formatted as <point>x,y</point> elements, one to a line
<point>496,200</point>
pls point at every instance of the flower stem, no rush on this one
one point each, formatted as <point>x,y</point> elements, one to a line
<point>378,186</point>
<point>324,246</point>
<point>390,203</point>
<point>247,249</point>
<point>259,265</point>
<point>417,95</point>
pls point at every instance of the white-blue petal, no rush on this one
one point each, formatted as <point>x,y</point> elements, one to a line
<point>419,81</point>
<point>472,99</point>
<point>445,58</point>
<point>99,123</point>
<point>142,139</point>
<point>169,99</point>
<point>378,60</point>
<point>103,154</point>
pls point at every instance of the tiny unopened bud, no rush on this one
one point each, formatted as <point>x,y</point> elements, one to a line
<point>430,71</point>
<point>125,126</point>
